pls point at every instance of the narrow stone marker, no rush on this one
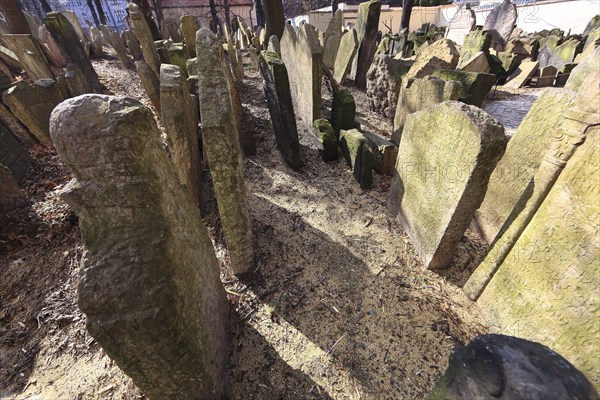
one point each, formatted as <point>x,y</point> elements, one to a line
<point>367,25</point>
<point>144,36</point>
<point>445,159</point>
<point>221,144</point>
<point>343,111</point>
<point>358,155</point>
<point>11,196</point>
<point>328,139</point>
<point>150,83</point>
<point>149,284</point>
<point>76,81</point>
<point>189,26</point>
<point>67,40</point>
<point>28,51</point>
<point>279,98</point>
<point>345,55</point>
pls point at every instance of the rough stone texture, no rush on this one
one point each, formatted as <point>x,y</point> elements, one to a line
<point>445,159</point>
<point>177,114</point>
<point>548,287</point>
<point>524,154</point>
<point>384,153</point>
<point>463,22</point>
<point>117,43</point>
<point>358,155</point>
<point>345,55</point>
<point>191,66</point>
<point>150,82</point>
<point>547,76</point>
<point>32,105</point>
<point>343,111</point>
<point>383,84</point>
<point>500,22</point>
<point>475,42</point>
<point>418,94</point>
<point>29,52</point>
<point>274,19</point>
<point>16,127</point>
<point>328,140</point>
<point>76,81</point>
<point>144,36</point>
<point>11,196</point>
<point>522,74</point>
<point>505,367</point>
<point>367,25</point>
<point>279,98</point>
<point>65,37</point>
<point>592,39</point>
<point>221,144</point>
<point>13,155</point>
<point>178,55</point>
<point>561,55</point>
<point>97,41</point>
<point>10,59</point>
<point>474,86</point>
<point>478,63</point>
<point>149,283</point>
<point>333,35</point>
<point>442,54</point>
<point>593,24</point>
<point>274,46</point>
<point>301,53</point>
<point>82,35</point>
<point>588,67</point>
<point>189,27</point>
<point>133,45</point>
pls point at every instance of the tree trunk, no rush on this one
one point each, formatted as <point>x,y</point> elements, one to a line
<point>227,14</point>
<point>260,13</point>
<point>143,4</point>
<point>100,10</point>
<point>334,6</point>
<point>406,11</point>
<point>16,20</point>
<point>93,11</point>
<point>159,13</point>
<point>215,17</point>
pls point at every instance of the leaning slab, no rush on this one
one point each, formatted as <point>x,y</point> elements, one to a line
<point>13,155</point>
<point>149,284</point>
<point>463,22</point>
<point>588,67</point>
<point>11,196</point>
<point>150,82</point>
<point>332,40</point>
<point>500,22</point>
<point>367,26</point>
<point>75,80</point>
<point>28,50</point>
<point>189,26</point>
<point>15,126</point>
<point>222,147</point>
<point>474,86</point>
<point>445,159</point>
<point>345,56</point>
<point>522,74</point>
<point>442,54</point>
<point>144,36</point>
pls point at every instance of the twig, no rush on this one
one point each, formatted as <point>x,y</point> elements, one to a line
<point>335,344</point>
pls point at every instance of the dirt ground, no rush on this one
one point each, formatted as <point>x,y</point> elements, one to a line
<point>337,307</point>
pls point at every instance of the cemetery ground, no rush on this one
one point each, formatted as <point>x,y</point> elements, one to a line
<point>337,305</point>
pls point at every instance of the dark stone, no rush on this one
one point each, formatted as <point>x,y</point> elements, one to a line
<point>13,155</point>
<point>367,25</point>
<point>328,142</point>
<point>475,86</point>
<point>343,111</point>
<point>358,155</point>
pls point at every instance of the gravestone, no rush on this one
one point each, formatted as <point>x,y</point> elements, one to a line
<point>189,27</point>
<point>178,55</point>
<point>345,55</point>
<point>76,82</point>
<point>358,155</point>
<point>593,24</point>
<point>475,42</point>
<point>442,54</point>
<point>562,54</point>
<point>150,82</point>
<point>500,22</point>
<point>328,140</point>
<point>301,53</point>
<point>66,39</point>
<point>477,63</point>
<point>547,76</point>
<point>144,37</point>
<point>384,153</point>
<point>11,196</point>
<point>32,105</point>
<point>383,84</point>
<point>343,111</point>
<point>417,95</point>
<point>463,22</point>
<point>19,131</point>
<point>333,36</point>
<point>445,159</point>
<point>522,74</point>
<point>81,34</point>
<point>367,26</point>
<point>474,86</point>
<point>588,67</point>
<point>149,285</point>
<point>177,114</point>
<point>133,45</point>
<point>274,46</point>
<point>97,41</point>
<point>279,98</point>
<point>119,47</point>
<point>29,52</point>
<point>13,155</point>
<point>221,144</point>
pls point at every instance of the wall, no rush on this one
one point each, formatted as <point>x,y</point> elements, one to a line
<point>202,14</point>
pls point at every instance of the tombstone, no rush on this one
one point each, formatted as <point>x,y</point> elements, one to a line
<point>593,24</point>
<point>477,63</point>
<point>274,19</point>
<point>244,132</point>
<point>231,52</point>
<point>133,45</point>
<point>14,18</point>
<point>522,74</point>
<point>76,82</point>
<point>343,111</point>
<point>279,98</point>
<point>383,84</point>
<point>169,31</point>
<point>445,159</point>
<point>590,66</point>
<point>561,55</point>
<point>32,105</point>
<point>474,43</point>
<point>302,56</point>
<point>384,153</point>
<point>358,155</point>
<point>592,39</point>
<point>178,55</point>
<point>28,51</point>
<point>442,54</point>
<point>11,196</point>
<point>97,41</point>
<point>367,26</point>
<point>150,82</point>
<point>119,47</point>
<point>150,288</point>
<point>144,36</point>
<point>81,35</point>
<point>240,62</point>
<point>221,143</point>
<point>505,367</point>
<point>463,22</point>
<point>274,46</point>
<point>547,76</point>
<point>13,155</point>
<point>474,86</point>
<point>333,36</point>
<point>19,131</point>
<point>53,53</point>
<point>66,39</point>
<point>328,140</point>
<point>419,94</point>
<point>500,22</point>
<point>345,56</point>
<point>189,26</point>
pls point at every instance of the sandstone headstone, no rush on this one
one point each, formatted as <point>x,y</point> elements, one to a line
<point>10,58</point>
<point>500,22</point>
<point>445,159</point>
<point>76,81</point>
<point>150,285</point>
<point>13,155</point>
<point>463,22</point>
<point>522,74</point>
<point>561,55</point>
<point>328,140</point>
<point>383,84</point>
<point>150,82</point>
<point>418,94</point>
<point>593,24</point>
<point>343,111</point>
<point>189,27</point>
<point>144,36</point>
<point>16,127</point>
<point>178,55</point>
<point>547,76</point>
<point>367,26</point>
<point>133,45</point>
<point>333,36</point>
<point>81,34</point>
<point>589,67</point>
<point>345,56</point>
<point>478,63</point>
<point>475,42</point>
<point>384,153</point>
<point>279,98</point>
<point>11,196</point>
<point>442,54</point>
<point>358,155</point>
<point>97,39</point>
<point>221,143</point>
<point>117,44</point>
<point>28,51</point>
<point>474,86</point>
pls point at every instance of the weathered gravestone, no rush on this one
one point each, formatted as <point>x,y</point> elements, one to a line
<point>500,22</point>
<point>274,46</point>
<point>522,74</point>
<point>11,196</point>
<point>547,76</point>
<point>383,83</point>
<point>221,144</point>
<point>418,94</point>
<point>474,86</point>
<point>561,55</point>
<point>149,284</point>
<point>75,80</point>
<point>277,91</point>
<point>445,159</point>
<point>29,52</point>
<point>66,39</point>
<point>144,36</point>
<point>150,82</point>
<point>133,45</point>
<point>333,36</point>
<point>178,55</point>
<point>477,63</point>
<point>81,34</point>
<point>442,54</point>
<point>16,127</point>
<point>97,39</point>
<point>367,26</point>
<point>345,55</point>
<point>328,140</point>
<point>178,115</point>
<point>593,24</point>
<point>301,53</point>
<point>358,155</point>
<point>189,26</point>
<point>13,155</point>
<point>343,111</point>
<point>588,67</point>
<point>384,153</point>
<point>463,22</point>
<point>32,105</point>
<point>119,47</point>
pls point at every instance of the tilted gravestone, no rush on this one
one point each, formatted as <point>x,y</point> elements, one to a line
<point>149,284</point>
<point>474,86</point>
<point>189,26</point>
<point>274,45</point>
<point>442,54</point>
<point>332,40</point>
<point>28,50</point>
<point>76,81</point>
<point>463,22</point>
<point>133,45</point>
<point>144,36</point>
<point>445,159</point>
<point>13,155</point>
<point>500,22</point>
<point>16,127</point>
<point>328,140</point>
<point>221,144</point>
<point>367,26</point>
<point>475,42</point>
<point>522,74</point>
<point>588,67</point>
<point>178,116</point>
<point>11,196</point>
<point>150,83</point>
<point>343,111</point>
<point>119,47</point>
<point>277,90</point>
<point>345,55</point>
